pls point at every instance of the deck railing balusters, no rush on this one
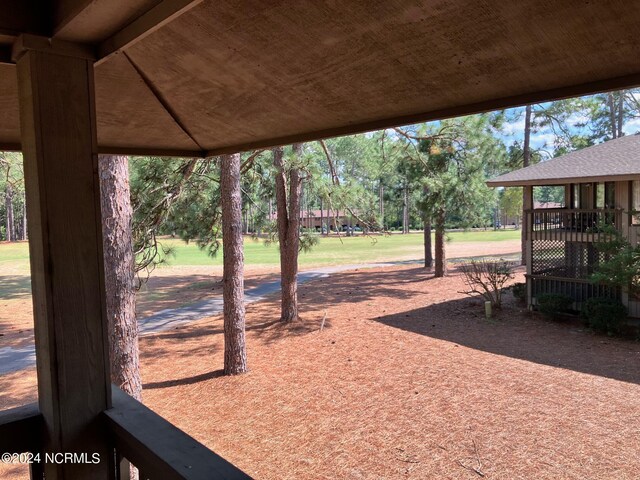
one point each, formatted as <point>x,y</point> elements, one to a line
<point>570,224</point>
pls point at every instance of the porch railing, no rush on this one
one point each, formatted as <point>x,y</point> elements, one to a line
<point>156,447</point>
<point>22,430</point>
<point>569,224</point>
<point>580,290</point>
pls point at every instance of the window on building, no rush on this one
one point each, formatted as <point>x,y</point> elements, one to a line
<point>600,196</point>
<point>635,202</point>
<point>610,195</point>
<point>575,195</point>
<point>548,196</point>
<point>606,195</point>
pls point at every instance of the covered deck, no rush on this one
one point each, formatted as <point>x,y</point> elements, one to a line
<point>199,78</point>
<point>598,202</point>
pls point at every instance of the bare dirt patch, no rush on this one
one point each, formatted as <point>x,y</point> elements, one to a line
<point>406,380</point>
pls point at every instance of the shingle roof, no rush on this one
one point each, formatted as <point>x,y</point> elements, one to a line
<point>617,159</point>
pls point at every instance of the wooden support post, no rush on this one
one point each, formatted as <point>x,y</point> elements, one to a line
<point>57,115</point>
<point>527,226</point>
<point>623,196</point>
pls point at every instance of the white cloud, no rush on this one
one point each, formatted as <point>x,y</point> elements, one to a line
<point>632,126</point>
<point>576,118</point>
<point>541,140</point>
<point>513,128</point>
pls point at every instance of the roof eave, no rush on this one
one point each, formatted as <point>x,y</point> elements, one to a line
<point>561,181</point>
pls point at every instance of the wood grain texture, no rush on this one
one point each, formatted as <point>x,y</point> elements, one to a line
<point>159,449</point>
<point>322,68</point>
<point>91,21</point>
<point>296,71</point>
<point>65,245</point>
<point>9,120</point>
<point>147,120</point>
<point>147,23</point>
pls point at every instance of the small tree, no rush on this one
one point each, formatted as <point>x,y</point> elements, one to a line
<point>621,267</point>
<point>487,278</point>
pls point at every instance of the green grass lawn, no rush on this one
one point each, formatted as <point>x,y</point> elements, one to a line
<point>329,251</point>
<point>14,258</point>
<point>333,250</point>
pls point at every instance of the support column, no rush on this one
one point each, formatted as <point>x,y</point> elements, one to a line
<point>57,117</point>
<point>527,228</point>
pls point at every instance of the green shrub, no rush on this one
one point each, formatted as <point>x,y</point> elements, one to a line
<point>605,314</point>
<point>519,291</point>
<point>554,304</point>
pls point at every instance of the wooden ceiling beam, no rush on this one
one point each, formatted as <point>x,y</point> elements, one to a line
<point>162,100</point>
<point>23,16</point>
<point>5,54</point>
<point>50,45</point>
<point>9,147</point>
<point>66,11</point>
<point>628,81</point>
<point>141,152</point>
<point>151,152</point>
<point>153,19</point>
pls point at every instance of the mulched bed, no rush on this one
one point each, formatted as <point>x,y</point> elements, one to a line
<point>407,379</point>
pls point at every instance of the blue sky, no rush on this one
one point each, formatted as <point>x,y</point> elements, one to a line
<point>543,139</point>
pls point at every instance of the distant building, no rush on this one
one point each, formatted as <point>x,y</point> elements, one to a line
<point>317,219</point>
<point>601,185</point>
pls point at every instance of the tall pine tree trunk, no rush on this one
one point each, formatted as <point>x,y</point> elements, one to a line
<point>24,215</point>
<point>119,272</point>
<point>235,354</point>
<point>405,209</point>
<point>441,259</point>
<point>620,115</point>
<point>288,205</point>
<point>426,218</point>
<point>428,256</point>
<point>526,161</point>
<point>8,203</point>
<point>612,114</point>
<point>381,201</point>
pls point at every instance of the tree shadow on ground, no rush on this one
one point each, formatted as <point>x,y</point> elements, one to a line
<point>185,332</point>
<point>354,287</point>
<point>517,333</point>
<point>14,286</point>
<point>351,288</point>
<point>174,291</point>
<point>18,388</point>
<point>275,330</point>
<point>184,381</point>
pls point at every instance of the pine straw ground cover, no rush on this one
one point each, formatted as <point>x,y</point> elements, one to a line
<point>406,380</point>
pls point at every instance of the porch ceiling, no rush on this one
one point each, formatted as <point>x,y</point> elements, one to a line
<point>206,77</point>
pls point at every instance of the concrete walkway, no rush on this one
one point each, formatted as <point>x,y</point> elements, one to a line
<point>15,359</point>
